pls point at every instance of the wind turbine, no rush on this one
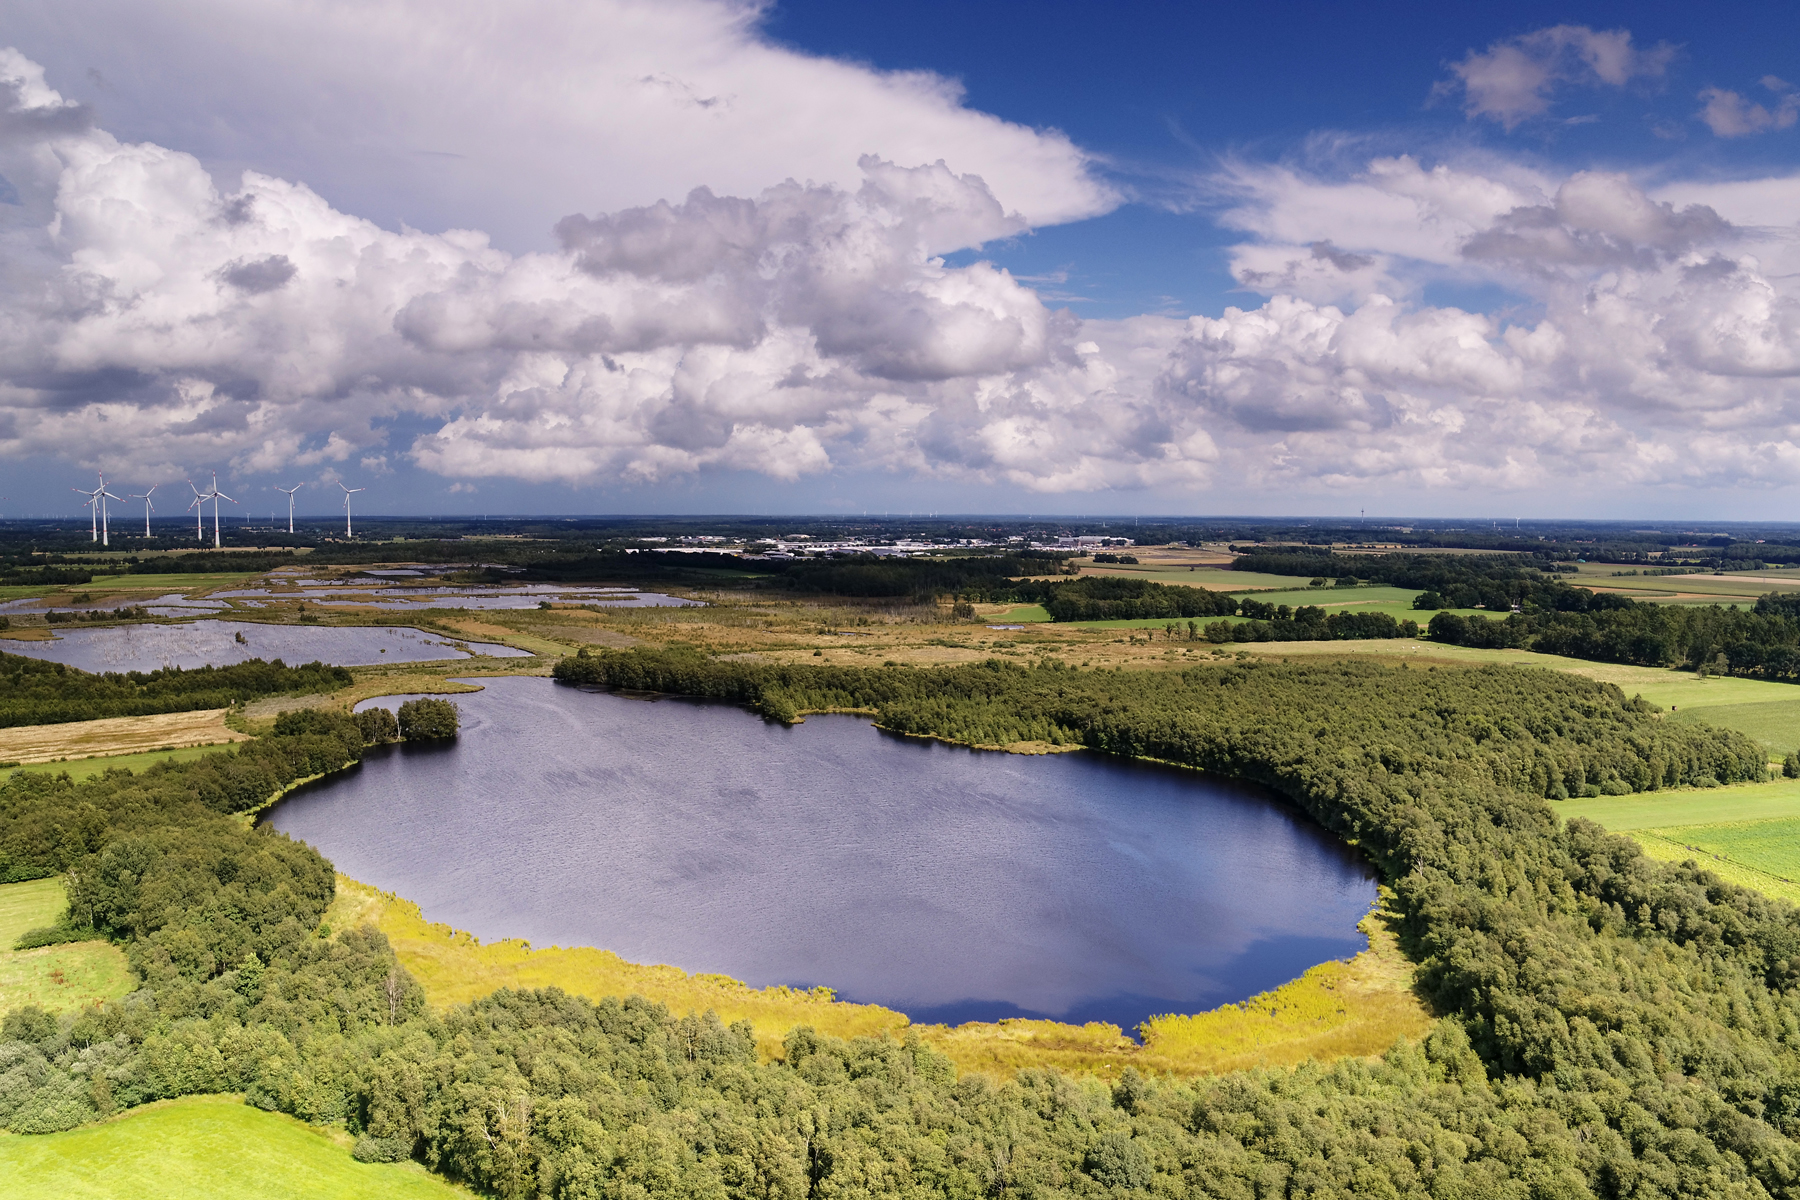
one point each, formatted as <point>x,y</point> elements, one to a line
<point>349,492</point>
<point>200,499</point>
<point>97,503</point>
<point>147,506</point>
<point>215,495</point>
<point>290,495</point>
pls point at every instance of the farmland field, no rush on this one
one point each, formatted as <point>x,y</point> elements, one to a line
<point>115,735</point>
<point>205,1146</point>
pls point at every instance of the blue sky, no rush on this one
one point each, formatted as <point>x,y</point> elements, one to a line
<point>1052,257</point>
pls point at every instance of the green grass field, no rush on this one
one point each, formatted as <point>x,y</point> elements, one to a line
<point>87,768</point>
<point>1024,614</point>
<point>1772,846</point>
<point>172,583</point>
<point>1776,723</point>
<point>200,1148</point>
<point>52,977</point>
<point>27,906</point>
<point>1779,800</point>
<point>1748,834</point>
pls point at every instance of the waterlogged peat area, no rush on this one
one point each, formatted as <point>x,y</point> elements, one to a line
<point>215,643</point>
<point>950,884</point>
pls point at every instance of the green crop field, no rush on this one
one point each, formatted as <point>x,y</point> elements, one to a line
<point>199,1148</point>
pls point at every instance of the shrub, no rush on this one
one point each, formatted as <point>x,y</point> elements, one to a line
<point>381,1150</point>
<point>424,720</point>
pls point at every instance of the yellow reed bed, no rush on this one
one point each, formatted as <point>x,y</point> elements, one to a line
<point>455,968</point>
<point>1337,1009</point>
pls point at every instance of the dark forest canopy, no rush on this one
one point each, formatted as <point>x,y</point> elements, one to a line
<point>34,692</point>
<point>1611,1025</point>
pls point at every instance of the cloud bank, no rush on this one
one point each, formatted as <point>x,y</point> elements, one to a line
<point>506,117</point>
<point>155,318</point>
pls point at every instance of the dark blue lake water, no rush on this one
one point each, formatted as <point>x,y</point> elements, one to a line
<point>947,883</point>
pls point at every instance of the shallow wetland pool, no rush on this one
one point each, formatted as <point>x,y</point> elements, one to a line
<point>215,643</point>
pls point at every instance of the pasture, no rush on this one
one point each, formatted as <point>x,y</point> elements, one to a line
<point>203,1147</point>
<point>52,977</point>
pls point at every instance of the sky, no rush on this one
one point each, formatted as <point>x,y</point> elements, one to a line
<point>610,256</point>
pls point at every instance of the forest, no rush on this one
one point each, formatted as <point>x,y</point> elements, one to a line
<point>1609,1025</point>
<point>1763,642</point>
<point>34,692</point>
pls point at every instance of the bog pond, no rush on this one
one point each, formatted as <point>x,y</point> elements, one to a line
<point>947,883</point>
<point>215,643</point>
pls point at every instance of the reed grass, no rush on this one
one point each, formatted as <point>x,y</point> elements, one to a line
<point>1337,1009</point>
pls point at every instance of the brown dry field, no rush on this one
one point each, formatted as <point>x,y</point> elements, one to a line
<point>115,735</point>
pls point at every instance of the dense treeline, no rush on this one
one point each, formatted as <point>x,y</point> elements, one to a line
<point>33,692</point>
<point>28,576</point>
<point>1764,641</point>
<point>1111,598</point>
<point>1310,623</point>
<point>1463,581</point>
<point>1613,1026</point>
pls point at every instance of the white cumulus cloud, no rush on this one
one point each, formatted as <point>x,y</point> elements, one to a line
<point>1512,80</point>
<point>506,117</point>
<point>1729,114</point>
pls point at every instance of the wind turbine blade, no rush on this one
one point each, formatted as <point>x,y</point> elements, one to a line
<point>223,496</point>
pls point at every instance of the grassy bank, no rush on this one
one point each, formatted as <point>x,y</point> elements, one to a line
<point>205,1147</point>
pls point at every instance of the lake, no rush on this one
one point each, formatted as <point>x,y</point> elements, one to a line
<point>214,643</point>
<point>947,883</point>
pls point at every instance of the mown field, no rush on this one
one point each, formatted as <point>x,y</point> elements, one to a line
<point>201,1148</point>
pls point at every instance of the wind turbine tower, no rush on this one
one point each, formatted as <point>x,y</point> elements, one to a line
<point>215,495</point>
<point>97,503</point>
<point>147,506</point>
<point>200,499</point>
<point>290,495</point>
<point>348,492</point>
